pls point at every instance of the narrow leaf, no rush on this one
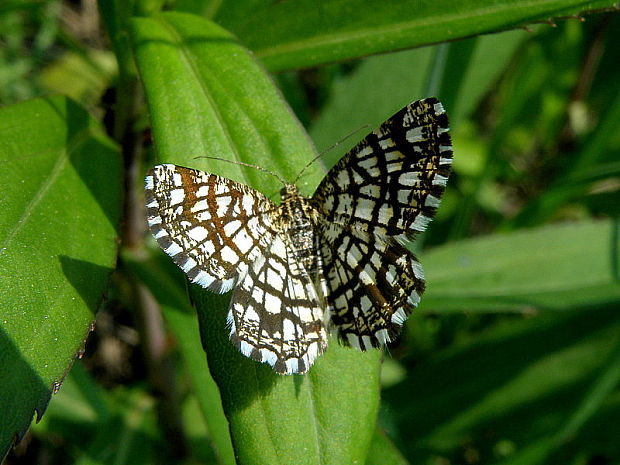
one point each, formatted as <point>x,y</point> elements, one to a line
<point>304,33</point>
<point>551,267</point>
<point>165,283</point>
<point>523,381</point>
<point>207,96</point>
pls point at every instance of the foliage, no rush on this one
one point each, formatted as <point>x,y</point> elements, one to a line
<point>514,354</point>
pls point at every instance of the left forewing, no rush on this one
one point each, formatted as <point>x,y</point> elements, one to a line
<point>212,227</point>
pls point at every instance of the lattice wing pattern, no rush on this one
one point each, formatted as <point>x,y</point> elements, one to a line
<point>372,283</point>
<point>391,182</point>
<point>384,191</point>
<point>225,234</point>
<point>276,316</point>
<point>212,227</point>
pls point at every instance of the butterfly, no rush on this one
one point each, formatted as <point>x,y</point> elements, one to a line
<point>333,262</point>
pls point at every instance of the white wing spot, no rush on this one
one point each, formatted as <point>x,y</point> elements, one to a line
<point>198,233</point>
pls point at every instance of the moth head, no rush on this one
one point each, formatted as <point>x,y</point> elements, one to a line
<point>289,191</point>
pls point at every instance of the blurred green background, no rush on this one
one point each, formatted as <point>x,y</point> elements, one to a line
<point>514,354</point>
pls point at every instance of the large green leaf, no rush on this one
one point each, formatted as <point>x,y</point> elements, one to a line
<point>552,267</point>
<point>207,96</point>
<point>60,204</point>
<point>302,33</point>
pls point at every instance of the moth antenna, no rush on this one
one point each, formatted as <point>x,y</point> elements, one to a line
<point>329,149</point>
<point>249,165</point>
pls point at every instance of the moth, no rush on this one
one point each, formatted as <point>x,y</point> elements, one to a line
<point>333,262</point>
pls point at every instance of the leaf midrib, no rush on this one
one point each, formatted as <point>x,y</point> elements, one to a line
<point>39,195</point>
<point>315,421</point>
<point>79,139</point>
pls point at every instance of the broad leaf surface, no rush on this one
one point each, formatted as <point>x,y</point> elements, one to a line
<point>303,33</point>
<point>207,96</point>
<point>60,207</point>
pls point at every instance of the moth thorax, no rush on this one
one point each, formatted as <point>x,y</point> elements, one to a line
<point>299,218</point>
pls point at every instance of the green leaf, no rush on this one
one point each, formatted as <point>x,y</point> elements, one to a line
<point>383,451</point>
<point>60,208</point>
<point>207,96</point>
<point>304,33</point>
<point>329,413</point>
<point>552,267</point>
<point>514,391</point>
<point>165,282</point>
<point>352,106</point>
<point>101,426</point>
